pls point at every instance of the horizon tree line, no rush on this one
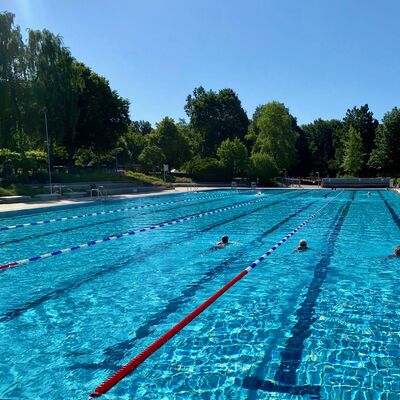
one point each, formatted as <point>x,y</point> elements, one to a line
<point>89,125</point>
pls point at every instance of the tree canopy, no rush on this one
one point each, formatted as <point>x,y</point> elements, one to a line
<point>274,134</point>
<point>216,117</point>
<point>353,155</point>
<point>89,125</point>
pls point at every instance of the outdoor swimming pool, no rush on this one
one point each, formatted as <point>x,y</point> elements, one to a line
<point>319,324</point>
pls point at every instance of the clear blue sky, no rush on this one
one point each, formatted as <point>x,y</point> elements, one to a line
<point>319,57</point>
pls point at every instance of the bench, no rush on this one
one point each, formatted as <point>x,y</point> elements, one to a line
<point>14,199</point>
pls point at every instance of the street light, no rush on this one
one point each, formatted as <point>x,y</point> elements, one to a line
<point>48,149</point>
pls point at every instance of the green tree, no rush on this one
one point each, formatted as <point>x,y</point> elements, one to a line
<point>192,137</point>
<point>130,145</point>
<point>385,158</point>
<point>172,143</point>
<point>275,135</point>
<point>152,158</point>
<point>104,115</point>
<point>302,165</point>
<point>14,88</point>
<point>142,127</point>
<point>353,156</point>
<point>324,139</point>
<point>45,54</point>
<point>263,167</point>
<point>363,121</point>
<point>216,117</point>
<point>233,156</point>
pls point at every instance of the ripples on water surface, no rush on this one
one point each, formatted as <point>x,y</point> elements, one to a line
<point>320,324</point>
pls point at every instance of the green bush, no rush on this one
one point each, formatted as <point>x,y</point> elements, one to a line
<point>207,169</point>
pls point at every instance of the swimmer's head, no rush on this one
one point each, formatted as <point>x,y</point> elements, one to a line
<point>224,239</point>
<point>397,251</point>
<point>303,243</point>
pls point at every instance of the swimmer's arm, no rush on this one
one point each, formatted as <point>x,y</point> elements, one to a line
<point>315,251</point>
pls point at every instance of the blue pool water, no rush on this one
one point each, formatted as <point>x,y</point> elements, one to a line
<point>319,324</point>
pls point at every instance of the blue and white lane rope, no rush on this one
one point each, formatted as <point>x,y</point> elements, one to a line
<point>289,235</point>
<point>128,233</point>
<point>48,221</point>
<point>117,377</point>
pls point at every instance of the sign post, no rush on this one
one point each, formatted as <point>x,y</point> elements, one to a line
<point>165,169</point>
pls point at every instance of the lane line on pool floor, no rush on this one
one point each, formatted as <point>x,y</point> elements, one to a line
<point>128,233</point>
<point>291,355</point>
<point>16,312</point>
<point>49,221</point>
<point>117,351</point>
<point>114,379</point>
<point>393,213</point>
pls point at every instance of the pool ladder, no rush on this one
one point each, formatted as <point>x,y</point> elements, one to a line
<point>100,193</point>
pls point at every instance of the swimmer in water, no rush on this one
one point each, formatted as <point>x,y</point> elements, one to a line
<point>258,194</point>
<point>369,194</point>
<point>301,247</point>
<point>396,253</point>
<point>222,243</point>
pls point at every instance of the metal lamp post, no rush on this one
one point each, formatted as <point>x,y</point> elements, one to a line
<point>48,150</point>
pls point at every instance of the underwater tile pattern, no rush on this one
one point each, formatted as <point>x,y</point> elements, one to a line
<point>321,324</point>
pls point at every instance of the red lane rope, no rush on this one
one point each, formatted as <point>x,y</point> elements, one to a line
<point>141,357</point>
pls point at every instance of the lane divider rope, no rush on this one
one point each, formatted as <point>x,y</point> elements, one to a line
<point>130,232</point>
<point>141,357</point>
<point>48,221</point>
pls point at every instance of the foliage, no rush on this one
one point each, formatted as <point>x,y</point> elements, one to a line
<point>353,156</point>
<point>233,156</point>
<point>302,165</point>
<point>206,169</point>
<point>385,157</point>
<point>274,134</point>
<point>89,126</point>
<point>40,77</point>
<point>88,157</point>
<point>363,121</point>
<point>324,143</point>
<point>130,145</point>
<point>143,178</point>
<point>22,190</point>
<point>263,167</point>
<point>152,158</point>
<point>104,115</point>
<point>192,137</point>
<point>216,117</point>
<point>142,127</point>
<point>169,139</point>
